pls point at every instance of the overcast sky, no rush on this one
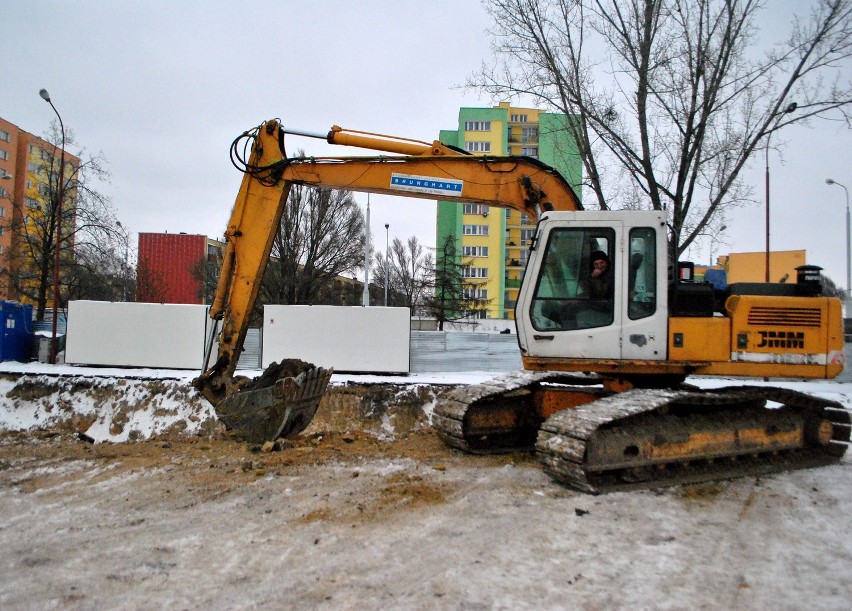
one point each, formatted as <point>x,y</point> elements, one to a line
<point>163,87</point>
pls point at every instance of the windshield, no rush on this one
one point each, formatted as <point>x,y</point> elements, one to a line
<point>574,289</point>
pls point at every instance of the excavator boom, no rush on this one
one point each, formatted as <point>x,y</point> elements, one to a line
<point>416,169</point>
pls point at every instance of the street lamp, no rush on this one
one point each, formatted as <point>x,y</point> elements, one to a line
<point>60,195</point>
<point>779,114</point>
<point>367,258</point>
<point>830,181</point>
<point>713,240</point>
<point>387,254</point>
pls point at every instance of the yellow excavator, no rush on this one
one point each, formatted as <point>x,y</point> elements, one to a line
<point>602,397</point>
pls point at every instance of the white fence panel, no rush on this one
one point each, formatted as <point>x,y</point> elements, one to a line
<point>167,336</point>
<point>353,339</point>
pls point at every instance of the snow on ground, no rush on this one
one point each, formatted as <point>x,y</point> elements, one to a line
<point>113,404</point>
<point>348,523</point>
<point>118,404</point>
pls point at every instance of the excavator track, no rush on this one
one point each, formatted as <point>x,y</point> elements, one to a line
<point>493,417</point>
<point>646,438</point>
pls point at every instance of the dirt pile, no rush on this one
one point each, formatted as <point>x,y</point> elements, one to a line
<point>112,409</point>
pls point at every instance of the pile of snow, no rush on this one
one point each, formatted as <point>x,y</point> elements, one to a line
<point>125,404</point>
<point>106,408</point>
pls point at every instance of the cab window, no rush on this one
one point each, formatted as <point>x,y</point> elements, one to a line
<point>576,280</point>
<point>642,274</point>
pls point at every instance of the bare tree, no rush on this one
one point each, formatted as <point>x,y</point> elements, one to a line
<point>150,284</point>
<point>671,95</point>
<point>205,271</point>
<point>90,236</point>
<point>409,265</point>
<point>321,236</point>
<point>395,299</point>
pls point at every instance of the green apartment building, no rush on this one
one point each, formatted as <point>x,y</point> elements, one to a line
<point>495,241</point>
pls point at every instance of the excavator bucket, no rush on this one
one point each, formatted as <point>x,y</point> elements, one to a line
<point>282,409</point>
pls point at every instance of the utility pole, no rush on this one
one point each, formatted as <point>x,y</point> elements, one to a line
<point>367,258</point>
<point>830,181</point>
<point>387,263</point>
<point>779,114</point>
<point>54,345</point>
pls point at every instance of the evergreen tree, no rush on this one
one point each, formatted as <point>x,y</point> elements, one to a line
<point>453,296</point>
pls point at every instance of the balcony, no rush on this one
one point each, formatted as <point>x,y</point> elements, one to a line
<point>523,139</point>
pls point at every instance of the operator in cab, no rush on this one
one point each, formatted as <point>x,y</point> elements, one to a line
<point>600,278</point>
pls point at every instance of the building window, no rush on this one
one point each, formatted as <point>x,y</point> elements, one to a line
<point>3,193</point>
<point>530,151</point>
<point>476,209</point>
<point>477,147</point>
<point>475,229</point>
<point>529,133</point>
<point>527,235</point>
<point>4,154</point>
<point>477,126</point>
<point>33,204</point>
<point>474,272</point>
<point>518,118</point>
<point>4,135</point>
<point>474,251</point>
<point>471,293</point>
<point>33,167</point>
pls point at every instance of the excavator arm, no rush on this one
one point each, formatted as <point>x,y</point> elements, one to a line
<point>416,169</point>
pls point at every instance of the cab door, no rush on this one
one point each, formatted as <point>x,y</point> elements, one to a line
<point>563,311</point>
<point>644,324</point>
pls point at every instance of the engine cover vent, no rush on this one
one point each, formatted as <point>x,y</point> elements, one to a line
<point>785,317</point>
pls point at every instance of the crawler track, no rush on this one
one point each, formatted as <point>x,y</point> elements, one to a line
<point>496,416</point>
<point>648,438</point>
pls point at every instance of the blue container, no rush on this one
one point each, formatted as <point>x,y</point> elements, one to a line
<point>717,277</point>
<point>17,331</point>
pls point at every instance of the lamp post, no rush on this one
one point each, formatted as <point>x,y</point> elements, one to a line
<point>387,253</point>
<point>830,181</point>
<point>367,258</point>
<point>713,240</point>
<point>60,196</point>
<point>779,114</point>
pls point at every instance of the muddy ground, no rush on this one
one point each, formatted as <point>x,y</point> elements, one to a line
<point>349,521</point>
<point>367,510</point>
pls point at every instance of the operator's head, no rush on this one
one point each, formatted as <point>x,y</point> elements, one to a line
<point>600,262</point>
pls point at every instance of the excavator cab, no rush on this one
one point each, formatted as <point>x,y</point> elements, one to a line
<point>564,309</point>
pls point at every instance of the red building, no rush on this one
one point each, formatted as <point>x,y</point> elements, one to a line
<point>171,267</point>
